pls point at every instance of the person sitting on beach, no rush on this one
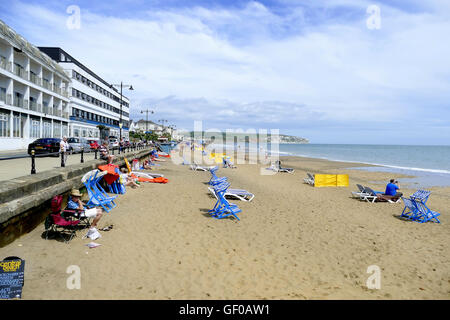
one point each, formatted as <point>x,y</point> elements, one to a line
<point>75,203</point>
<point>228,164</point>
<point>391,191</point>
<point>147,165</point>
<point>128,179</point>
<point>104,153</point>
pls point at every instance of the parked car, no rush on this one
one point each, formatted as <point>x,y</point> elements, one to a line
<point>45,145</point>
<point>77,144</point>
<point>113,143</point>
<point>94,144</point>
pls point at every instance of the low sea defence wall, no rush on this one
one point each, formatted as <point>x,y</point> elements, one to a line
<point>25,201</point>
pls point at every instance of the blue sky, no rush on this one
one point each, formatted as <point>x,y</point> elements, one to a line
<point>308,68</point>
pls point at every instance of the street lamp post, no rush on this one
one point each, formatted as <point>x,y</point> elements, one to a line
<point>121,85</point>
<point>146,118</point>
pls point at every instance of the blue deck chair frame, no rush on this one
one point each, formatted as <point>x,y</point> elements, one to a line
<point>97,196</point>
<point>425,214</point>
<point>223,208</point>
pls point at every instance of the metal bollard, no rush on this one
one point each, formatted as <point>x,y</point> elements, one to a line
<point>33,166</point>
<point>95,151</point>
<point>62,160</point>
<point>112,151</point>
<point>82,155</point>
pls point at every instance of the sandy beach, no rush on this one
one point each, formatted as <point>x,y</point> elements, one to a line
<point>294,241</point>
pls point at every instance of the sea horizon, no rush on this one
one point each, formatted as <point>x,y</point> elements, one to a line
<point>427,163</point>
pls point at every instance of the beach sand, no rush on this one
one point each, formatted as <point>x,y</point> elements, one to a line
<point>294,241</point>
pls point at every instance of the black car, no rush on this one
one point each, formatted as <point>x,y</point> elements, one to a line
<point>45,145</point>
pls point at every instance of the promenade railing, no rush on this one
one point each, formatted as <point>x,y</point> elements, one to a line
<point>61,155</point>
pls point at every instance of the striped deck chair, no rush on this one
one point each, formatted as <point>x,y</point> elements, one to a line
<point>97,196</point>
<point>223,208</point>
<point>421,195</point>
<point>425,214</point>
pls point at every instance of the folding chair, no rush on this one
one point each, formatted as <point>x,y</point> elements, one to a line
<point>424,213</point>
<point>61,219</point>
<point>421,195</point>
<point>223,208</point>
<point>97,196</point>
<point>410,210</point>
<point>215,180</point>
<point>309,179</point>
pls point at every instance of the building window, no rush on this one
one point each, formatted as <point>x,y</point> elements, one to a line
<point>76,132</point>
<point>4,124</point>
<point>16,126</point>
<point>65,130</point>
<point>3,94</point>
<point>47,129</point>
<point>35,129</point>
<point>56,129</point>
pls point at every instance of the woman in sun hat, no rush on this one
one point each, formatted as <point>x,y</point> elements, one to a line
<point>96,213</point>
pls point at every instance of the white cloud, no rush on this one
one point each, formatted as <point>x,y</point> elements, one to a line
<point>252,64</point>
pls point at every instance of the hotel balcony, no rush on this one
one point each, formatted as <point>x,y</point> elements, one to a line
<point>21,103</point>
<point>34,106</point>
<point>35,79</point>
<point>6,65</point>
<point>20,72</point>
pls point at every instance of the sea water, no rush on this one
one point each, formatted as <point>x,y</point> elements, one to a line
<point>429,164</point>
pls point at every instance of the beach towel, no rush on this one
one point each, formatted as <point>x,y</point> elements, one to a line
<point>163,154</point>
<point>154,180</point>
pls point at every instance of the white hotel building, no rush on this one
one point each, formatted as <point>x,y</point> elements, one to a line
<point>46,93</point>
<point>93,101</point>
<point>34,98</point>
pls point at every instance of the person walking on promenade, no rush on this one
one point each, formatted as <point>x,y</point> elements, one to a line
<point>64,148</point>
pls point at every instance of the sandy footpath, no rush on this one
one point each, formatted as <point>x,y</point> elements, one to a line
<point>294,241</point>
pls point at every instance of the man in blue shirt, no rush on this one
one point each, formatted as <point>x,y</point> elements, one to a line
<point>75,203</point>
<point>391,189</point>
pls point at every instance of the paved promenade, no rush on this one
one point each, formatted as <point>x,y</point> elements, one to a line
<point>15,168</point>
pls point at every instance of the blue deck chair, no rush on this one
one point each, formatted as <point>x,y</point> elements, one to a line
<point>97,196</point>
<point>102,193</point>
<point>424,213</point>
<point>117,187</point>
<point>421,195</point>
<point>223,208</point>
<point>410,210</point>
<point>214,177</point>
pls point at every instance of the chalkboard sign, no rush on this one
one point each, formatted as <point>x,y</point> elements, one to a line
<point>11,278</point>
